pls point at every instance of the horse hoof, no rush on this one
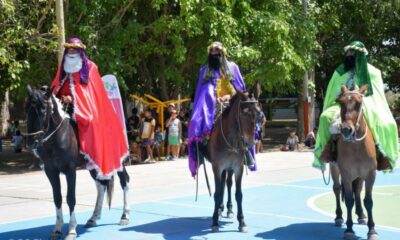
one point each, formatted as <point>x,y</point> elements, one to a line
<point>349,236</point>
<point>90,223</point>
<point>362,221</point>
<point>339,222</point>
<point>214,229</point>
<point>230,215</point>
<point>373,236</point>
<point>55,235</point>
<point>70,236</point>
<point>243,229</point>
<point>124,222</point>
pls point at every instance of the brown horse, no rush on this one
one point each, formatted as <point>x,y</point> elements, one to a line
<point>232,135</point>
<point>356,160</point>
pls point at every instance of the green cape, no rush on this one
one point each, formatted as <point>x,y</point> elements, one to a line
<point>376,111</point>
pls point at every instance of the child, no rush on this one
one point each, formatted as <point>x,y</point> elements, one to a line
<point>17,139</point>
<point>158,141</point>
<point>147,134</point>
<point>310,139</point>
<point>292,142</point>
<point>174,134</point>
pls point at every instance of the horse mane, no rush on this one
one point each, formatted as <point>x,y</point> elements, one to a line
<point>59,107</point>
<point>231,102</point>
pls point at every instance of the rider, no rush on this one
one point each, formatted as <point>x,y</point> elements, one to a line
<point>354,73</point>
<point>216,85</point>
<point>79,86</point>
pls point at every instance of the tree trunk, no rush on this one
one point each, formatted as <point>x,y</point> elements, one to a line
<point>60,28</point>
<point>300,115</point>
<point>5,113</point>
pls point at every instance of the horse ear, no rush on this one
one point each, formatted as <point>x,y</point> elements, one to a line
<point>344,89</point>
<point>241,93</point>
<point>363,89</point>
<point>29,90</point>
<point>257,90</point>
<point>49,91</point>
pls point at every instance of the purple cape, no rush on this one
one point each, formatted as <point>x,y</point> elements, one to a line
<point>202,119</point>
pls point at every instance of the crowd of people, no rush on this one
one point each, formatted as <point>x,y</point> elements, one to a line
<point>146,136</point>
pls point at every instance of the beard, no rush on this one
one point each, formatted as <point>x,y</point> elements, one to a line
<point>349,63</point>
<point>214,61</point>
<point>72,63</point>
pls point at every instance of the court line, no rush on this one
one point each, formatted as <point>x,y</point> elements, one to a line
<point>311,204</point>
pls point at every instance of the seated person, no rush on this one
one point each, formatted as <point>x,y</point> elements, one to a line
<point>17,139</point>
<point>292,142</point>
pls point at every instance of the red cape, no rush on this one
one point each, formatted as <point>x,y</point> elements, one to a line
<point>101,135</point>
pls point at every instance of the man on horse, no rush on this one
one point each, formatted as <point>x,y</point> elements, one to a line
<point>354,73</point>
<point>79,86</point>
<point>217,83</point>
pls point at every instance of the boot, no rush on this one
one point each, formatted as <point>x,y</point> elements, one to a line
<point>249,160</point>
<point>383,163</point>
<point>330,152</point>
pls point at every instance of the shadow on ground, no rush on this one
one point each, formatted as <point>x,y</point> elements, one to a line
<point>179,228</point>
<point>309,231</point>
<point>44,232</point>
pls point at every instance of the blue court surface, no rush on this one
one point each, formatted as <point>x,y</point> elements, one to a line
<point>271,212</point>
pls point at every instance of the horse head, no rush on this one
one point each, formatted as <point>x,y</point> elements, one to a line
<point>36,110</point>
<point>248,110</point>
<point>351,111</point>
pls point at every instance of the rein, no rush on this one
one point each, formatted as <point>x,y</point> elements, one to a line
<point>230,147</point>
<point>357,127</point>
<point>44,132</point>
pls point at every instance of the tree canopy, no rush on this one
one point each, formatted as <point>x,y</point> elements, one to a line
<point>158,46</point>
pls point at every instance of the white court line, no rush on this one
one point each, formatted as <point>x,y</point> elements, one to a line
<point>311,204</point>
<point>246,212</point>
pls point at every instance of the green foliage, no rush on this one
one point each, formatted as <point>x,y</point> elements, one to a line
<point>158,46</point>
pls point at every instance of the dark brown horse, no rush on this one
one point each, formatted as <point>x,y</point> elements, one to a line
<point>232,136</point>
<point>356,159</point>
<point>52,136</point>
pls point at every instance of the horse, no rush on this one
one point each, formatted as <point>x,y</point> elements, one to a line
<point>337,188</point>
<point>232,135</point>
<point>357,157</point>
<point>52,136</point>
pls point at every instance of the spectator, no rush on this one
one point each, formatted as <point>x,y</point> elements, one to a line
<point>292,142</point>
<point>158,136</point>
<point>174,134</point>
<point>16,127</point>
<point>17,139</point>
<point>310,138</point>
<point>133,127</point>
<point>167,116</point>
<point>147,134</point>
<point>1,144</point>
<point>184,119</point>
<point>261,121</point>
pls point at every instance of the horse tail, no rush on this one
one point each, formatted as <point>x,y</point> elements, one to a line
<point>110,190</point>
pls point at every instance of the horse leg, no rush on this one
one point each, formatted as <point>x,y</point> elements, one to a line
<point>71,184</point>
<point>357,188</point>
<point>124,180</point>
<point>368,203</point>
<point>349,199</point>
<point>229,183</point>
<point>54,178</point>
<point>101,189</point>
<point>223,182</point>
<point>217,199</point>
<point>337,189</point>
<point>239,197</point>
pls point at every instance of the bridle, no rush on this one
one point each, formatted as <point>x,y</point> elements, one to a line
<point>43,131</point>
<point>357,125</point>
<point>242,147</point>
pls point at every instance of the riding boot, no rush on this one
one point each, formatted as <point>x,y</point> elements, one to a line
<point>249,160</point>
<point>383,162</point>
<point>330,152</point>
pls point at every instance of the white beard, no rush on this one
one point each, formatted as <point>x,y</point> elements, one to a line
<point>72,63</point>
